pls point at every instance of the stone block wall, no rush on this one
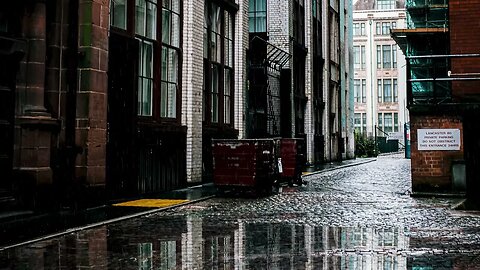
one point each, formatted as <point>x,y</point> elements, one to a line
<point>91,113</point>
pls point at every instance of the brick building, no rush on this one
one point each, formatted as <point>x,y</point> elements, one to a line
<point>108,99</point>
<point>442,50</point>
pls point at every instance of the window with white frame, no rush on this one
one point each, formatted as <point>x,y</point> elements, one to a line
<point>359,29</point>
<point>387,90</point>
<point>385,4</point>
<point>363,57</point>
<point>379,56</point>
<point>383,28</point>
<point>364,91</point>
<point>364,123</point>
<point>358,122</point>
<point>356,57</point>
<point>359,86</point>
<point>388,122</point>
<point>356,92</point>
<point>395,90</point>
<point>386,56</point>
<point>359,60</point>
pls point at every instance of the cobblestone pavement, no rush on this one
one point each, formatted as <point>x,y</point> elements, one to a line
<point>359,217</point>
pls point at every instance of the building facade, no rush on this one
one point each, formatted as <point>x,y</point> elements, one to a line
<point>109,99</point>
<point>379,81</point>
<point>299,75</point>
<point>442,52</point>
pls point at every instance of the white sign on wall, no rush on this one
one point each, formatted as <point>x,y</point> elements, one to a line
<point>438,139</point>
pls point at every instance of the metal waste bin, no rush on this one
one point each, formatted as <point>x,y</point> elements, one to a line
<point>245,164</point>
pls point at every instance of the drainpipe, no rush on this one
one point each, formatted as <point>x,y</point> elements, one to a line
<point>372,96</point>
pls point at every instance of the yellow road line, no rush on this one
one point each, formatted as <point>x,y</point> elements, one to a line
<point>154,203</point>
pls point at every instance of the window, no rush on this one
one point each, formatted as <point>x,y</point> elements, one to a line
<point>378,28</point>
<point>387,56</point>
<point>356,57</point>
<point>379,90</point>
<point>158,88</point>
<point>384,88</point>
<point>298,21</point>
<point>358,122</point>
<point>257,16</point>
<point>118,14</point>
<point>218,65</point>
<point>364,91</point>
<point>168,257</point>
<point>379,56</point>
<point>385,4</point>
<point>364,123</point>
<point>395,90</point>
<point>145,78</point>
<point>356,29</point>
<point>380,121</point>
<point>385,28</point>
<point>360,90</point>
<point>363,57</point>
<point>170,61</point>
<point>356,87</point>
<point>394,56</point>
<point>359,29</point>
<point>145,256</point>
<point>388,123</point>
<point>395,122</point>
<point>387,90</point>
<point>146,18</point>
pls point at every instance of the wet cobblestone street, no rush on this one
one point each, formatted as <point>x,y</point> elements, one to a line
<point>360,217</point>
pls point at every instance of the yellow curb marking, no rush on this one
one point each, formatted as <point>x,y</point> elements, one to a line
<point>306,173</point>
<point>157,203</point>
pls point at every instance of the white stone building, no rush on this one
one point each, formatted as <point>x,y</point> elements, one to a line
<point>379,80</point>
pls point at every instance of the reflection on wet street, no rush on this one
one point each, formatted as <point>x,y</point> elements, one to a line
<point>359,217</point>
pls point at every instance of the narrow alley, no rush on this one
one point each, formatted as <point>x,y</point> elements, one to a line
<point>359,217</point>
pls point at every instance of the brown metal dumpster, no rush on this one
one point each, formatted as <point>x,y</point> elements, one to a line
<point>245,164</point>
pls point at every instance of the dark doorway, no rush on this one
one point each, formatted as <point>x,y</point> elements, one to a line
<point>471,129</point>
<point>10,53</point>
<point>122,79</point>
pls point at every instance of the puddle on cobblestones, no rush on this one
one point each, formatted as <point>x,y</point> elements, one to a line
<point>190,242</point>
<point>357,218</point>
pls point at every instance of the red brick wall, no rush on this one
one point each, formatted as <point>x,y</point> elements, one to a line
<point>431,170</point>
<point>465,39</point>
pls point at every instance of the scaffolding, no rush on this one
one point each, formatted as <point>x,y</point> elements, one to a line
<point>427,34</point>
<point>427,13</point>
